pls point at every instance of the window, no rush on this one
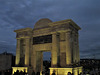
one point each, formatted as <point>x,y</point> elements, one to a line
<point>42,39</point>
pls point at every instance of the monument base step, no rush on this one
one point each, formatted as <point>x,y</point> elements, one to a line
<point>65,71</point>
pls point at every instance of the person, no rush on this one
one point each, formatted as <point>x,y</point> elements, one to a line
<point>16,73</point>
<point>33,73</point>
<point>53,73</point>
<point>42,73</point>
<point>0,73</point>
<point>80,73</point>
<point>38,73</point>
<point>69,73</point>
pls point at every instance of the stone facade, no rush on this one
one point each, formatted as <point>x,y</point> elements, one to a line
<point>7,60</point>
<point>60,38</point>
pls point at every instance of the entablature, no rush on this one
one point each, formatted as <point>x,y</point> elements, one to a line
<point>50,28</point>
<point>65,24</point>
<point>23,33</point>
<point>41,32</point>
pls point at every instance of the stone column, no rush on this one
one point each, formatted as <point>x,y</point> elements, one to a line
<point>68,48</point>
<point>33,59</point>
<point>27,50</point>
<point>39,61</point>
<point>74,47</point>
<point>33,56</point>
<point>77,46</point>
<point>18,52</point>
<point>54,50</point>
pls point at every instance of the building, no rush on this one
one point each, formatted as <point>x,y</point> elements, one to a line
<point>60,38</point>
<point>7,60</point>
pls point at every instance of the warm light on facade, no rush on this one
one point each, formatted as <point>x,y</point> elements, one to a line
<point>64,71</point>
<point>20,69</point>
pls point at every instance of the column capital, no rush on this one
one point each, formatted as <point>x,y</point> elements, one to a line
<point>18,38</point>
<point>23,37</point>
<point>55,33</point>
<point>27,38</point>
<point>73,32</point>
<point>68,32</point>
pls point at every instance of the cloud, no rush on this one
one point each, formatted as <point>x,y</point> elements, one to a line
<point>4,46</point>
<point>16,14</point>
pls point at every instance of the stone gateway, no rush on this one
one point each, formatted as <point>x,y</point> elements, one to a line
<point>60,38</point>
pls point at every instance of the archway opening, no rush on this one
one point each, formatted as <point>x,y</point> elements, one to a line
<point>46,62</point>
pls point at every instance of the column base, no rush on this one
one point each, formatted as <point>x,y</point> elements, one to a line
<point>23,69</point>
<point>65,71</point>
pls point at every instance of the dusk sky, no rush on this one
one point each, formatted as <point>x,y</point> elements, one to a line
<point>16,14</point>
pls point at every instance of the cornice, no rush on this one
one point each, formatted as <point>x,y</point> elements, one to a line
<point>23,29</point>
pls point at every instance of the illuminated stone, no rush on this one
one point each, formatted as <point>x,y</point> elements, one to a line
<point>20,69</point>
<point>64,71</point>
<point>60,38</point>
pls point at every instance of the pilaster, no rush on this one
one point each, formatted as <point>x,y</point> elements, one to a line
<point>39,61</point>
<point>74,47</point>
<point>68,48</point>
<point>33,59</point>
<point>18,52</point>
<point>27,50</point>
<point>55,50</point>
<point>77,46</point>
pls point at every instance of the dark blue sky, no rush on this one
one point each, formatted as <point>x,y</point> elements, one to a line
<point>16,14</point>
